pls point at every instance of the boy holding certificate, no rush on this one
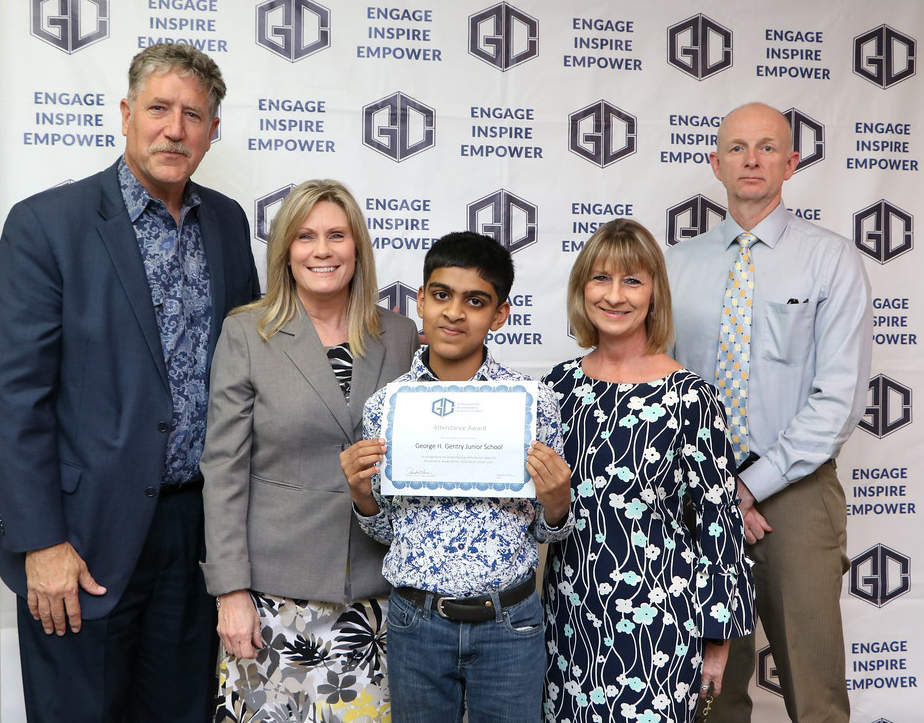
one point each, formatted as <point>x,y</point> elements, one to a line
<point>464,619</point>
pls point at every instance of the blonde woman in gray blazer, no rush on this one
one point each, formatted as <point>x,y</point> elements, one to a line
<point>302,602</point>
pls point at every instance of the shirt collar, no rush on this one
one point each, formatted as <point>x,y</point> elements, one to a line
<point>420,367</point>
<point>137,198</point>
<point>767,231</point>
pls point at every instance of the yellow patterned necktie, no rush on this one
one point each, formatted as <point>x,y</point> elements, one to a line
<point>733,361</point>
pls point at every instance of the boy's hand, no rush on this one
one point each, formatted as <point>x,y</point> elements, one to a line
<point>553,482</point>
<point>359,462</point>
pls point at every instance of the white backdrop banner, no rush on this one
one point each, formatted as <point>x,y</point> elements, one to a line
<point>534,122</point>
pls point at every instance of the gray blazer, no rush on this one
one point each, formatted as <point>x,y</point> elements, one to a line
<point>278,512</point>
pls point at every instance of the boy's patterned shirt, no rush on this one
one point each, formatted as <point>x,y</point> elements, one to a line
<point>462,546</point>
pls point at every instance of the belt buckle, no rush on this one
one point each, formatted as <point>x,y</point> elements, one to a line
<point>439,606</point>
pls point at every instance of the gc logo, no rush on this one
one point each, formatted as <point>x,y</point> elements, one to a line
<point>602,133</point>
<point>884,56</point>
<point>293,29</point>
<point>883,231</point>
<point>767,677</point>
<point>265,210</point>
<point>506,218</point>
<point>442,407</point>
<point>880,575</point>
<point>692,217</point>
<point>699,46</point>
<point>70,25</point>
<point>503,36</point>
<point>888,407</point>
<point>399,126</point>
<point>399,296</point>
<point>808,138</point>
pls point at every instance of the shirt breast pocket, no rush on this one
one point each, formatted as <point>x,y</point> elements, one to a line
<point>787,332</point>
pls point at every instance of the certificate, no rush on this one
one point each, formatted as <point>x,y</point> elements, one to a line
<point>466,439</point>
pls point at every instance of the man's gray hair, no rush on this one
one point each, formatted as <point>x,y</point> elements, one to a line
<point>179,58</point>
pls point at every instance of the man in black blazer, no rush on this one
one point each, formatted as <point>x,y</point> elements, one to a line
<point>112,295</point>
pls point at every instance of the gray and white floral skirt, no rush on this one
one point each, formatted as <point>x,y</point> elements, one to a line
<point>320,663</point>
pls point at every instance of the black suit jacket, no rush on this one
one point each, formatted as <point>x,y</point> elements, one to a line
<point>84,398</point>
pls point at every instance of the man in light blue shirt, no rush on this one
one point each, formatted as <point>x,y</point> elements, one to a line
<point>809,359</point>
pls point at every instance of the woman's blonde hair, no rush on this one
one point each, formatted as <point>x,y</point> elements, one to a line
<point>280,304</point>
<point>625,246</point>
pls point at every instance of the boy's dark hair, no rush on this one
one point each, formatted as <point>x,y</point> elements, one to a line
<point>467,250</point>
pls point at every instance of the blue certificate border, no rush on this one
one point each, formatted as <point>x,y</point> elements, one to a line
<point>432,485</point>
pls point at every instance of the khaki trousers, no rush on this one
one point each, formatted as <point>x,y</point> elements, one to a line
<point>798,571</point>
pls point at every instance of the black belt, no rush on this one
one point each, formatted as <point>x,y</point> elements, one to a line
<point>470,609</point>
<point>193,483</point>
<point>749,460</point>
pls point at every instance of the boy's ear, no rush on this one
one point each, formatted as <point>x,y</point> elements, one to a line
<point>420,300</point>
<point>500,316</point>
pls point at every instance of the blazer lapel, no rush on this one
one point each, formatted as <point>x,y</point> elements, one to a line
<point>118,236</point>
<point>211,238</point>
<point>366,373</point>
<point>307,354</point>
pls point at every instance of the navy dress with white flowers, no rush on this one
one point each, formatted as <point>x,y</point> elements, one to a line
<point>631,594</point>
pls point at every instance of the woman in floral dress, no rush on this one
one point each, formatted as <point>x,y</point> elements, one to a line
<point>638,606</point>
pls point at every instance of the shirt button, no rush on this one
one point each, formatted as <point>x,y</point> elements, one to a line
<point>163,427</point>
<point>150,492</point>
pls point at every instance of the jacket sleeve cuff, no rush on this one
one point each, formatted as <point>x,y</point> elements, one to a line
<point>222,577</point>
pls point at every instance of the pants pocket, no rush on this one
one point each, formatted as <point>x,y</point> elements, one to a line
<point>402,615</point>
<point>525,618</point>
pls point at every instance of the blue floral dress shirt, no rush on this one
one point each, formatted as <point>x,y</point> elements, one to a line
<point>462,546</point>
<point>178,276</point>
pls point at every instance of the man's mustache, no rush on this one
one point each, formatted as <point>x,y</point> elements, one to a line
<point>170,147</point>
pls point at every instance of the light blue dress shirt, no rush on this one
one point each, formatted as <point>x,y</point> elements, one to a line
<point>812,336</point>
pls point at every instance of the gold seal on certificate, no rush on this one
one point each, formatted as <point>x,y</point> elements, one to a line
<point>465,439</point>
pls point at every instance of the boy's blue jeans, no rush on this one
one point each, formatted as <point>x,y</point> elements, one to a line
<point>438,667</point>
